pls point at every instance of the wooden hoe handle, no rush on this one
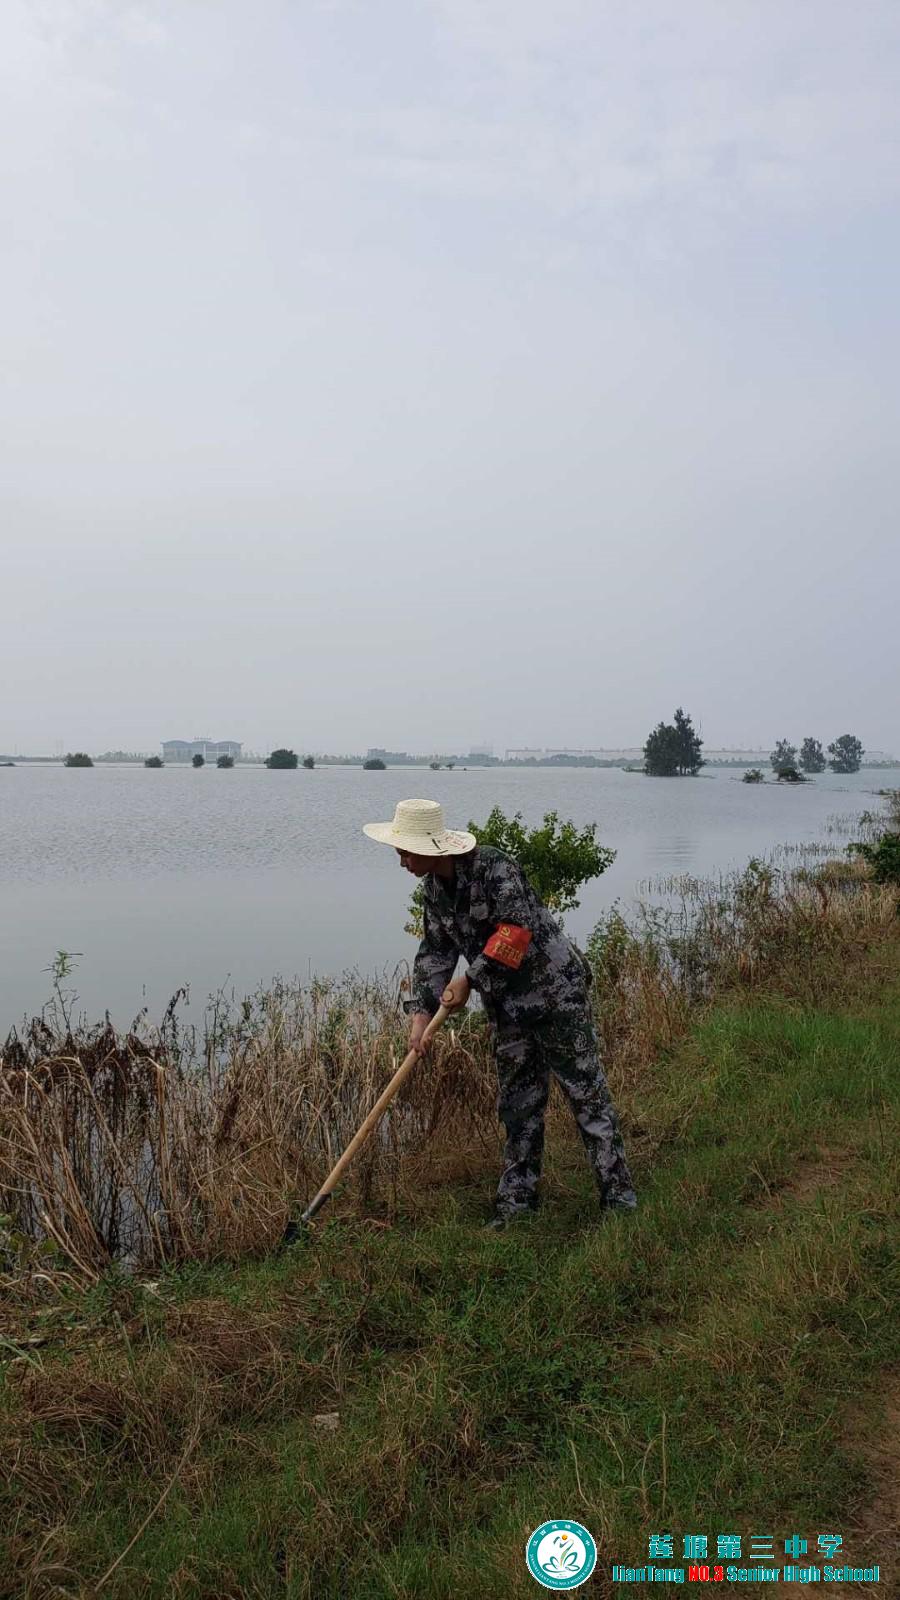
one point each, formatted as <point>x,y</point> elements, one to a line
<point>375,1115</point>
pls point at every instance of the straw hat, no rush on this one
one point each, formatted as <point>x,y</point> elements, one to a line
<point>418,826</point>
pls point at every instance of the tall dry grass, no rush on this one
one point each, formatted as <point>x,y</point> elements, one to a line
<point>166,1144</point>
<point>169,1143</point>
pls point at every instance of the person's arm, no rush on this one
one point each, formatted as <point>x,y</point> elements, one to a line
<point>433,968</point>
<point>508,950</point>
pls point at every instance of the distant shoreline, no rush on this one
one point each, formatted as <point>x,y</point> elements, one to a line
<point>425,766</point>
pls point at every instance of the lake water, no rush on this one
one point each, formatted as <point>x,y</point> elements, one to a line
<point>222,879</point>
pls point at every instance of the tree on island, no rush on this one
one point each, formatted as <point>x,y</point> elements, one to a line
<point>153,761</point>
<point>309,763</point>
<point>812,756</point>
<point>78,759</point>
<point>846,753</point>
<point>673,749</point>
<point>198,761</point>
<point>225,761</point>
<point>753,775</point>
<point>286,760</point>
<point>784,756</point>
<point>374,764</point>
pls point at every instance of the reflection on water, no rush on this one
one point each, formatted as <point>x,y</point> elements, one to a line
<point>219,879</point>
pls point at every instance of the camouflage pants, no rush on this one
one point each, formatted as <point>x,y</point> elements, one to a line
<point>565,1045</point>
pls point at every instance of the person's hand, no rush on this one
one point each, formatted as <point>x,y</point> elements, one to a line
<point>419,1023</point>
<point>456,994</point>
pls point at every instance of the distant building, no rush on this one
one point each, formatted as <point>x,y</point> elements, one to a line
<point>627,753</point>
<point>570,750</point>
<point>391,757</point>
<point>176,750</point>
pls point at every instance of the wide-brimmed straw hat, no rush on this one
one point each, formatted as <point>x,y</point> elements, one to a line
<point>418,827</point>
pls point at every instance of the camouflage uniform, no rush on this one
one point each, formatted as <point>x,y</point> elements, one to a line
<point>540,1015</point>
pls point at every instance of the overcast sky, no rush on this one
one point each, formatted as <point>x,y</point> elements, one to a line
<point>436,371</point>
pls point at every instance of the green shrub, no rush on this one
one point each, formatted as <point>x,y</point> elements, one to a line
<point>154,761</point>
<point>284,759</point>
<point>309,763</point>
<point>225,761</point>
<point>374,765</point>
<point>198,761</point>
<point>883,857</point>
<point>753,775</point>
<point>556,858</point>
<point>79,759</point>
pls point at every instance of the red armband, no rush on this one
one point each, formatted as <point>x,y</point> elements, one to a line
<point>508,944</point>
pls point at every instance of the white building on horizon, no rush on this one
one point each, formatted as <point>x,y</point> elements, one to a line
<point>176,750</point>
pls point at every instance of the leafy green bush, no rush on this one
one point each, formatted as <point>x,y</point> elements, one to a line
<point>153,761</point>
<point>556,858</point>
<point>753,775</point>
<point>374,765</point>
<point>198,761</point>
<point>883,857</point>
<point>283,759</point>
<point>79,759</point>
<point>225,761</point>
<point>309,763</point>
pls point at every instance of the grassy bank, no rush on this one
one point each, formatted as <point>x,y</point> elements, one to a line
<point>392,1407</point>
<point>722,1361</point>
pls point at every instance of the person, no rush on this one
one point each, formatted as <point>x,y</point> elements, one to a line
<point>533,984</point>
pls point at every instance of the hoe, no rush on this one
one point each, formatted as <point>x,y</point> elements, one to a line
<point>295,1230</point>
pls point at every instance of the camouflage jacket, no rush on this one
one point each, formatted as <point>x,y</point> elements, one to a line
<point>491,890</point>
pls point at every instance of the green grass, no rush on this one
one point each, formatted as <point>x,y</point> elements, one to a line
<point>707,1364</point>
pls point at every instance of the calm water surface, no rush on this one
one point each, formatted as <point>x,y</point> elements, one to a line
<point>220,880</point>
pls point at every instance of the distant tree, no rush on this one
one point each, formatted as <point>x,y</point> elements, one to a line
<point>790,775</point>
<point>673,749</point>
<point>435,766</point>
<point>309,763</point>
<point>753,775</point>
<point>78,759</point>
<point>225,761</point>
<point>154,761</point>
<point>689,746</point>
<point>812,756</point>
<point>198,761</point>
<point>374,764</point>
<point>450,765</point>
<point>846,753</point>
<point>784,755</point>
<point>661,751</point>
<point>284,759</point>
